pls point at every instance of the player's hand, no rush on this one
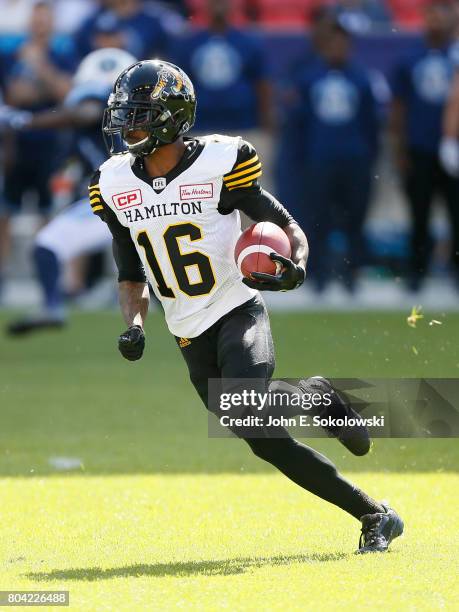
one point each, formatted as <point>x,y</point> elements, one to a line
<point>13,119</point>
<point>449,156</point>
<point>131,343</point>
<point>290,277</point>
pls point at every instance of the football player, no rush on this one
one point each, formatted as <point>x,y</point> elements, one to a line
<point>75,231</point>
<point>172,204</point>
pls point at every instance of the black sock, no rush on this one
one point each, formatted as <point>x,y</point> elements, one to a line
<point>315,473</point>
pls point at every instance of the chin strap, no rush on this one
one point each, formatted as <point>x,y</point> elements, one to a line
<point>140,149</point>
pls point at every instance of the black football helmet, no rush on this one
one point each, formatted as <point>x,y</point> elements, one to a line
<point>154,96</point>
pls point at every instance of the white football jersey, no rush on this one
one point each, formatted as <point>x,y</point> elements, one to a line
<point>185,244</point>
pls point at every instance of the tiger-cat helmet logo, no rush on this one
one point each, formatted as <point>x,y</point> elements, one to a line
<point>176,79</point>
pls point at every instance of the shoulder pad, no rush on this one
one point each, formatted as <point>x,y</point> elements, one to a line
<point>117,161</point>
<point>221,138</point>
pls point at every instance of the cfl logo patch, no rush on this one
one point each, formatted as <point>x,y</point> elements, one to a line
<point>127,199</point>
<point>159,183</point>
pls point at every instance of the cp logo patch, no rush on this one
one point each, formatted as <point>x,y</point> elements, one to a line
<point>127,199</point>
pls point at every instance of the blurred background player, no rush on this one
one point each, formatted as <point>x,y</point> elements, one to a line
<point>75,231</point>
<point>35,77</point>
<point>421,86</point>
<point>145,27</point>
<point>363,16</point>
<point>228,67</point>
<point>332,129</point>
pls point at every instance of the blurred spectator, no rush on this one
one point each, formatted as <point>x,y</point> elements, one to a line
<point>181,6</point>
<point>421,85</point>
<point>361,16</point>
<point>228,68</point>
<point>108,32</point>
<point>15,15</point>
<point>70,14</point>
<point>333,130</point>
<point>35,77</point>
<point>146,28</point>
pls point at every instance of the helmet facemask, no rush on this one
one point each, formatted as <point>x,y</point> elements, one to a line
<point>125,114</point>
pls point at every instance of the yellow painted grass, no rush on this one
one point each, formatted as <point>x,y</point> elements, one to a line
<point>235,542</point>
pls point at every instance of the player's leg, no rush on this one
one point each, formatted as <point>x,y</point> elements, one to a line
<point>240,345</point>
<point>200,355</point>
<point>318,196</point>
<point>41,175</point>
<point>354,200</point>
<point>14,183</point>
<point>450,188</point>
<point>245,350</point>
<point>254,341</point>
<point>420,187</point>
<point>73,232</point>
<point>5,239</point>
<point>47,266</point>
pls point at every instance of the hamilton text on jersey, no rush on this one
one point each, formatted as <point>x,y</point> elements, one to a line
<point>166,209</point>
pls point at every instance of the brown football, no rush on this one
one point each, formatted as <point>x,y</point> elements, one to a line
<point>256,243</point>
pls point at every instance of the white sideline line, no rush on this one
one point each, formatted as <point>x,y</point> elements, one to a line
<point>437,295</point>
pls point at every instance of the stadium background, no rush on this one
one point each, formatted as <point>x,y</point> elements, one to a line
<point>111,487</point>
<point>281,32</point>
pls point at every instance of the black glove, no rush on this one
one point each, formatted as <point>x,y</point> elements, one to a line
<point>132,342</point>
<point>290,277</point>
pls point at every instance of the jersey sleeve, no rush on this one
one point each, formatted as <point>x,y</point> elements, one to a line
<point>241,190</point>
<point>127,259</point>
<point>95,197</point>
<point>246,170</point>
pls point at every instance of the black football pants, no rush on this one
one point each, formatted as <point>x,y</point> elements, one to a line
<point>240,345</point>
<point>337,195</point>
<point>424,180</point>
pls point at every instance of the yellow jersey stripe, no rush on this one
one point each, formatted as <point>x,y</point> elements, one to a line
<point>230,177</point>
<point>246,179</point>
<point>93,187</point>
<point>95,200</point>
<point>246,163</point>
<point>241,186</point>
<point>94,192</point>
<point>97,208</point>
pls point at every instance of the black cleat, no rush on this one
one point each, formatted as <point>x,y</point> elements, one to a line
<point>356,438</point>
<point>25,326</point>
<point>378,531</point>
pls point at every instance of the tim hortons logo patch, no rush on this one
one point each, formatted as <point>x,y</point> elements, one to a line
<point>193,192</point>
<point>127,199</point>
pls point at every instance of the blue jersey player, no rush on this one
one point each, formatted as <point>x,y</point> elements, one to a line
<point>75,231</point>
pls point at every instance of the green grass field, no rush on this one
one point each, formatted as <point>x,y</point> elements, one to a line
<point>160,517</point>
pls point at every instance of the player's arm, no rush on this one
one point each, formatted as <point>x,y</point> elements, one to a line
<point>241,190</point>
<point>133,291</point>
<point>449,146</point>
<point>85,114</point>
